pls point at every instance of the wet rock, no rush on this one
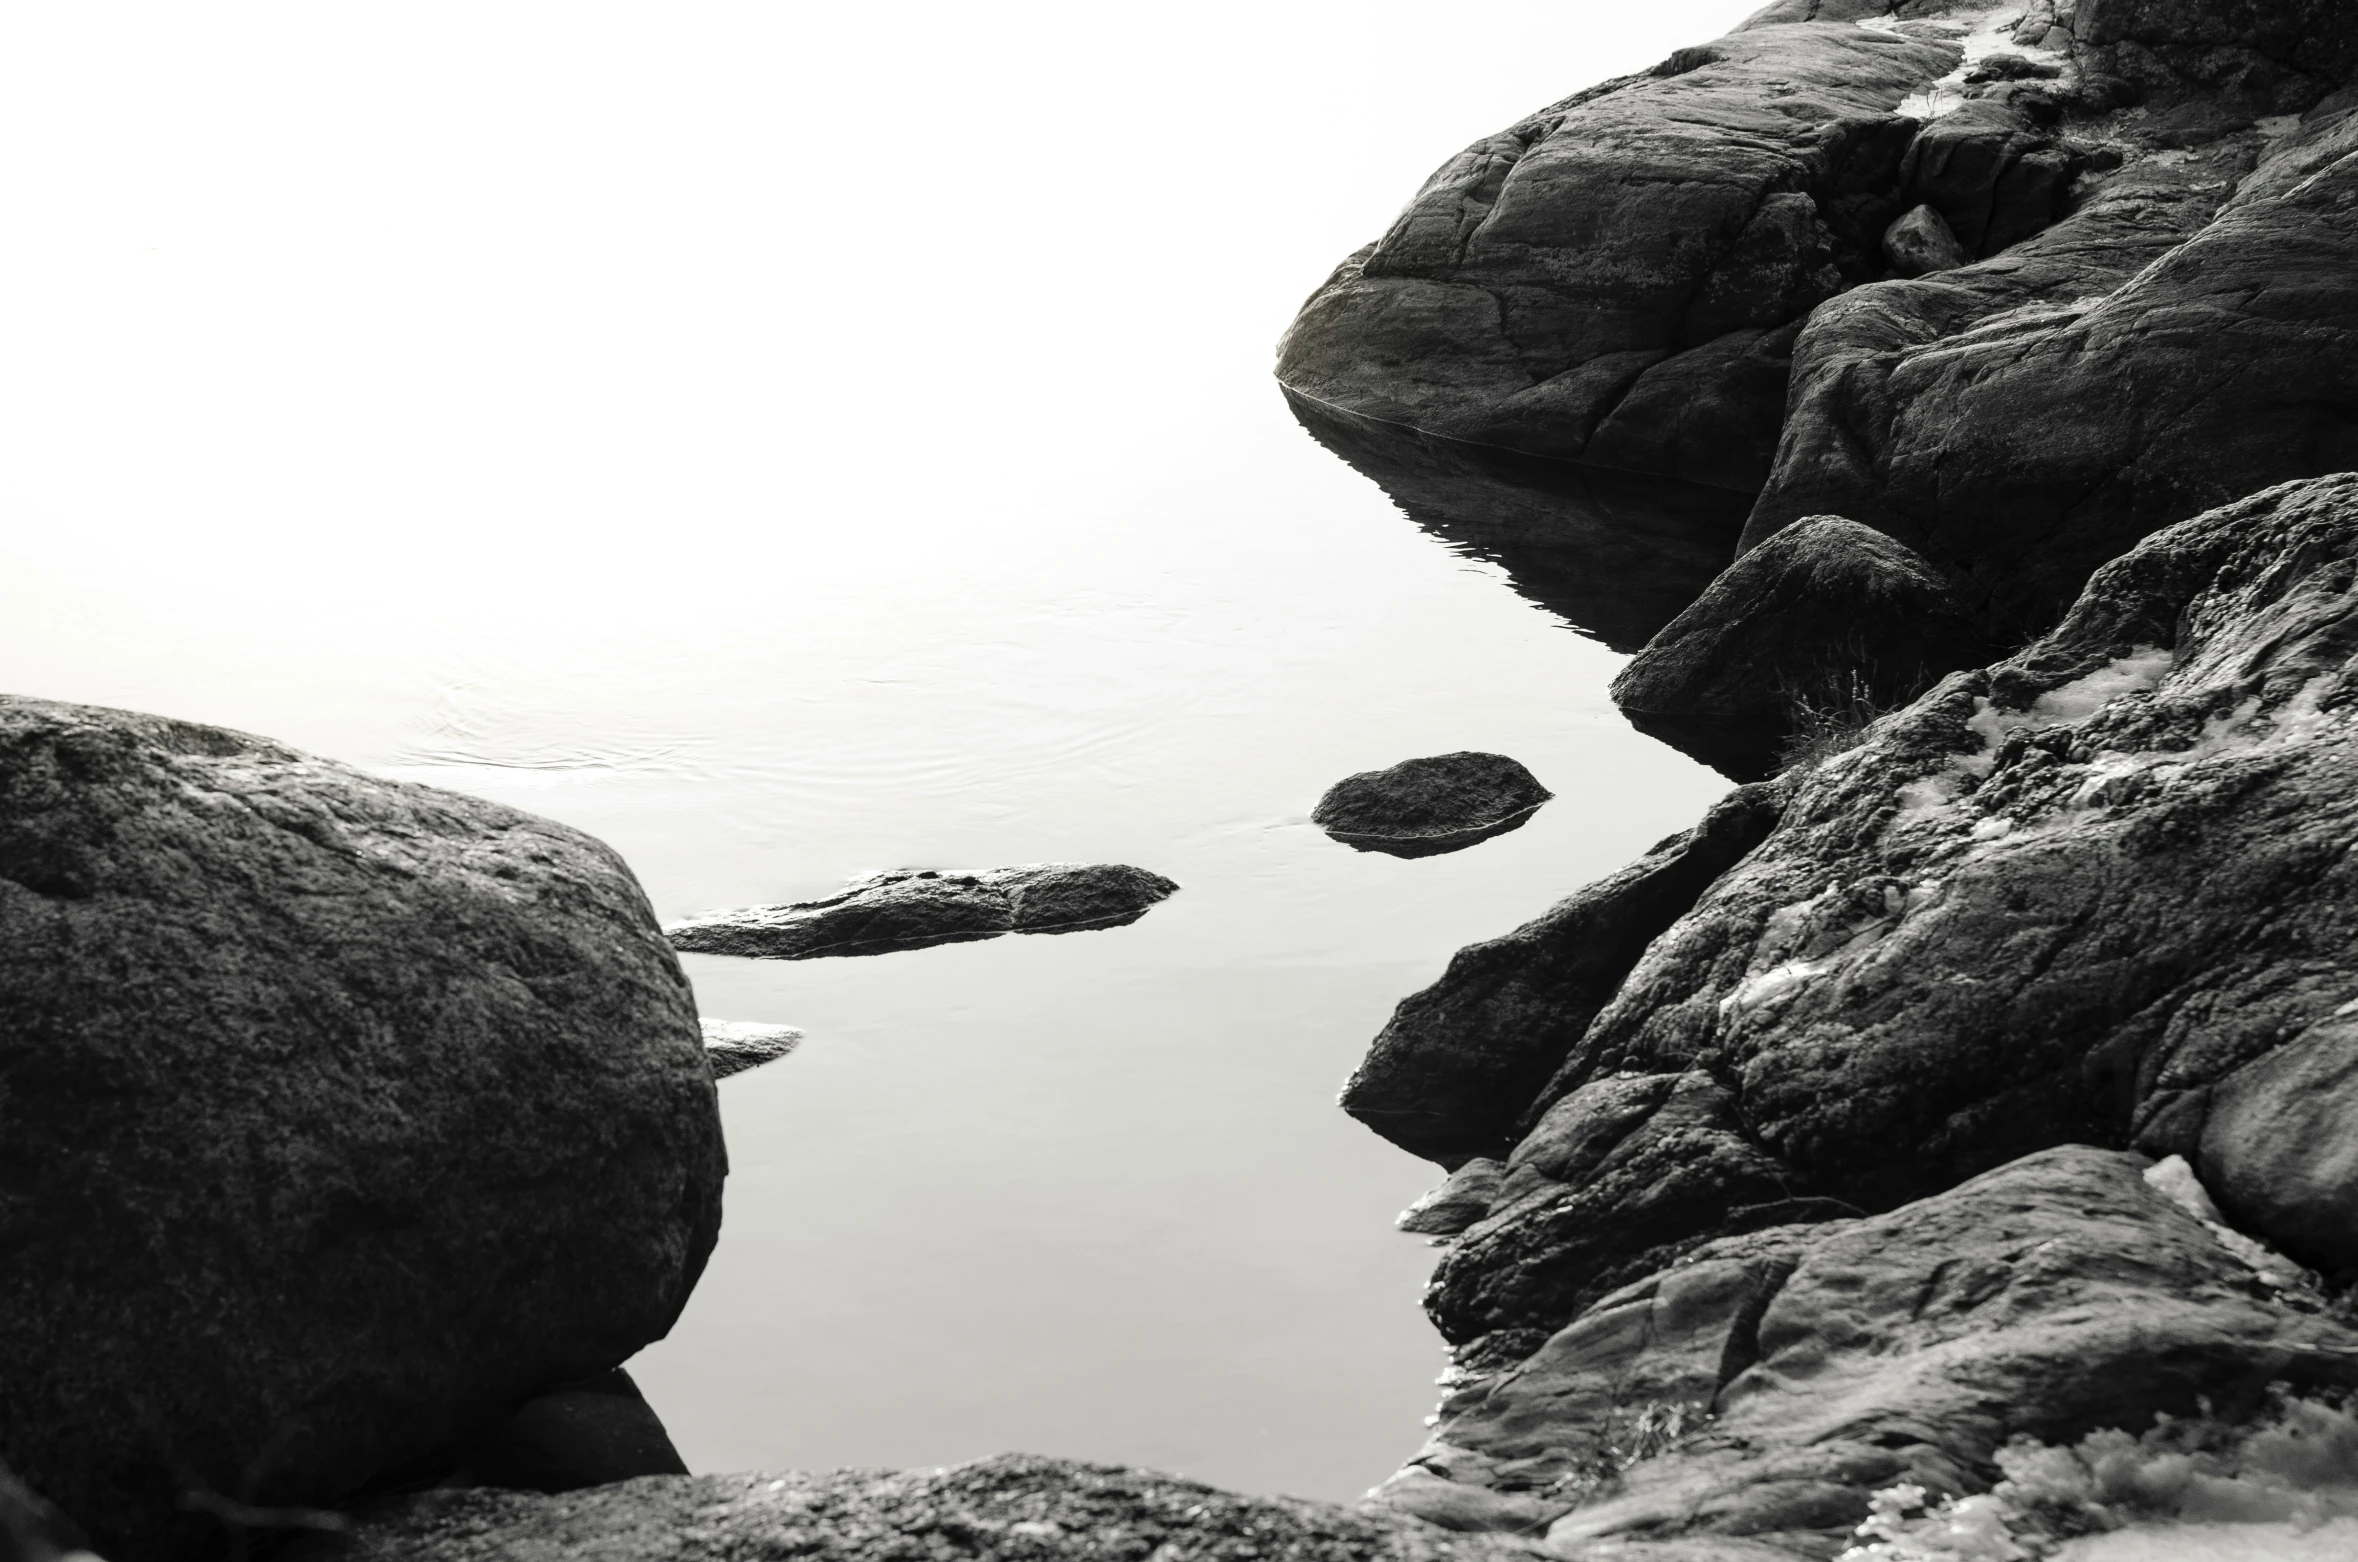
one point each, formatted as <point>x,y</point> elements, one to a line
<point>1458,1063</point>
<point>1015,1508</point>
<point>1823,626</point>
<point>911,908</point>
<point>2097,893</point>
<point>341,1114</point>
<point>1457,1203</point>
<point>733,1046</point>
<point>1765,1385</point>
<point>1919,242</point>
<point>1423,807</point>
<point>1546,288</point>
<point>573,1436</point>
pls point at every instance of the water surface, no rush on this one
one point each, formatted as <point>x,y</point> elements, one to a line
<point>789,446</point>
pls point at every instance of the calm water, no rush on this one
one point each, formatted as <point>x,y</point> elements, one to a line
<point>791,446</point>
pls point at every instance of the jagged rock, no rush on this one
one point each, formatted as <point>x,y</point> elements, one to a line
<point>733,1046</point>
<point>1423,807</point>
<point>1767,1384</point>
<point>912,908</point>
<point>1919,242</point>
<point>1460,1201</point>
<point>1823,626</point>
<point>1449,1075</point>
<point>340,1115</point>
<point>2098,893</point>
<point>1015,1508</point>
<point>576,1435</point>
<point>1596,281</point>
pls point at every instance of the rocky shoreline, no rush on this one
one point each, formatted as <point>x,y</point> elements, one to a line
<point>1944,1149</point>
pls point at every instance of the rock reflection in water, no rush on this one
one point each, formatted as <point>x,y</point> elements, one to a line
<point>1614,554</point>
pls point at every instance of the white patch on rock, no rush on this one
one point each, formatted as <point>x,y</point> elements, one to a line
<point>1982,33</point>
<point>1775,982</point>
<point>2174,1180</point>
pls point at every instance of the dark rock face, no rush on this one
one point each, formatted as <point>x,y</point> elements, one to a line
<point>1010,1509</point>
<point>339,1115</point>
<point>1828,620</point>
<point>2094,894</point>
<point>1422,807</point>
<point>912,908</point>
<point>1787,1374</point>
<point>576,1435</point>
<point>1453,1070</point>
<point>1617,279</point>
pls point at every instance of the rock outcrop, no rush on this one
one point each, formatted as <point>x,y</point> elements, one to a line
<point>1423,807</point>
<point>916,908</point>
<point>1928,1025</point>
<point>339,1116</point>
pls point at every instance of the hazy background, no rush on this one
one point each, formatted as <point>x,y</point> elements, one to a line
<point>791,441</point>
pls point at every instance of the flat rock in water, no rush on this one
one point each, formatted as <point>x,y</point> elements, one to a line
<point>733,1046</point>
<point>912,908</point>
<point>340,1115</point>
<point>1423,807</point>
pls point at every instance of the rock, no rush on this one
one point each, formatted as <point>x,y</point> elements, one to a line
<point>1423,807</point>
<point>1821,627</point>
<point>733,1046</point>
<point>910,908</point>
<point>1919,242</point>
<point>1595,282</point>
<point>576,1435</point>
<point>1767,1384</point>
<point>1457,1203</point>
<point>1449,1076</point>
<point>341,1114</point>
<point>1015,1508</point>
<point>33,1531</point>
<point>2098,893</point>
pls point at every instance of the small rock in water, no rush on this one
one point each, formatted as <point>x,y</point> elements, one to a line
<point>1465,1198</point>
<point>733,1046</point>
<point>1422,807</point>
<point>910,908</point>
<point>1921,243</point>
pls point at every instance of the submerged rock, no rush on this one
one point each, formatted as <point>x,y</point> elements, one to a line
<point>1423,807</point>
<point>733,1046</point>
<point>911,908</point>
<point>1816,631</point>
<point>1015,1508</point>
<point>340,1115</point>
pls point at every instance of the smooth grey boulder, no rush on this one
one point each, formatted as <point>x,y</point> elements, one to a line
<point>1765,1386</point>
<point>1823,626</point>
<point>733,1046</point>
<point>1015,1508</point>
<point>1920,242</point>
<point>916,908</point>
<point>1423,807</point>
<point>1459,1062</point>
<point>2099,893</point>
<point>340,1115</point>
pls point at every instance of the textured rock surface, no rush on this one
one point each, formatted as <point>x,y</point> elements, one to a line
<point>1013,1509</point>
<point>2076,897</point>
<point>912,908</point>
<point>339,1114</point>
<point>1920,242</point>
<point>1439,803</point>
<point>1767,1384</point>
<point>1827,622</point>
<point>733,1046</point>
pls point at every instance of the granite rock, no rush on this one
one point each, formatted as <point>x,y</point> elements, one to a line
<point>1423,807</point>
<point>913,908</point>
<point>341,1114</point>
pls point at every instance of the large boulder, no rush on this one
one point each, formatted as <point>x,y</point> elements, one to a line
<point>1820,628</point>
<point>337,1116</point>
<point>1769,1384</point>
<point>2098,893</point>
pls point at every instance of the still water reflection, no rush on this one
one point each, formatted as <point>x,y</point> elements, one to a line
<point>643,421</point>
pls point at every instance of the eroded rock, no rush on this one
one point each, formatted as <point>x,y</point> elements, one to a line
<point>1422,807</point>
<point>913,908</point>
<point>341,1114</point>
